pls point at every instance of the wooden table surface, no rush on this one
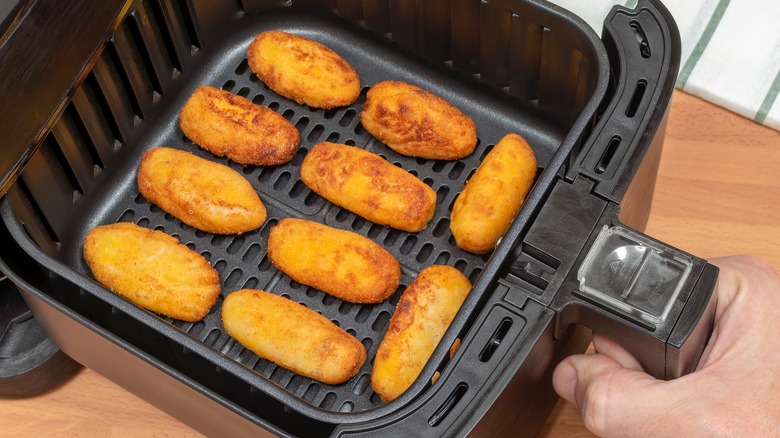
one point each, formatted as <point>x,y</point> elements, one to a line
<point>716,194</point>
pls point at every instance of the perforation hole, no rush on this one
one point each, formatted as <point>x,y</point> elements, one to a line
<point>235,245</point>
<point>302,123</point>
<point>363,314</point>
<point>297,189</point>
<point>265,265</point>
<point>347,118</point>
<point>392,237</point>
<point>409,243</point>
<point>456,170</point>
<point>381,322</point>
<point>315,133</point>
<point>375,230</point>
<point>233,278</point>
<point>242,68</point>
<point>441,194</point>
<point>251,283</point>
<point>362,384</point>
<point>442,258</point>
<point>282,180</point>
<point>424,253</point>
<point>252,252</point>
<point>441,227</point>
<point>212,337</point>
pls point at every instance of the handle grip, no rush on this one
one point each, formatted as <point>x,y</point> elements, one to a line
<point>654,300</point>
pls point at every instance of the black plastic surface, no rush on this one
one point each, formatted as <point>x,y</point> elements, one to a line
<point>644,47</point>
<point>693,329</point>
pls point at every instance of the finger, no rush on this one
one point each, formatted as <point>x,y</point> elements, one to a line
<point>613,400</point>
<point>748,291</point>
<point>608,347</point>
<point>737,274</point>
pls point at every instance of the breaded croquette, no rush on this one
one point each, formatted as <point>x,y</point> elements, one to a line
<point>369,186</point>
<point>292,336</point>
<point>421,317</point>
<point>228,125</point>
<point>303,70</point>
<point>417,123</point>
<point>338,262</point>
<point>202,194</point>
<point>492,197</point>
<point>152,269</point>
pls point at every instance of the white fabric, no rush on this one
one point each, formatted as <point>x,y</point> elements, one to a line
<point>730,50</point>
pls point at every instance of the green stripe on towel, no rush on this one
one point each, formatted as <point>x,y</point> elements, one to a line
<point>769,100</point>
<point>701,45</point>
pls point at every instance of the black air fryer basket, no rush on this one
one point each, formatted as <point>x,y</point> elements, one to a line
<point>89,87</point>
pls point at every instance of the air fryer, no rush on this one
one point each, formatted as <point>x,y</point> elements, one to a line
<point>89,87</point>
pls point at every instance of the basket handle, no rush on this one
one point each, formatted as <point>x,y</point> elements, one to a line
<point>654,300</point>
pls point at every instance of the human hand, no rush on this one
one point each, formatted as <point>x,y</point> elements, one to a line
<point>735,390</point>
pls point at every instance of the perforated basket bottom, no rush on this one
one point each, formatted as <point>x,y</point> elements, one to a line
<point>242,261</point>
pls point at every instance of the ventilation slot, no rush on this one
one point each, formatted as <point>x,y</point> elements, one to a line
<point>450,403</point>
<point>179,18</point>
<point>526,65</point>
<point>126,62</point>
<point>495,340</point>
<point>350,9</point>
<point>465,48</point>
<point>641,39</point>
<point>608,155</point>
<point>50,182</point>
<point>636,99</point>
<point>90,112</point>
<point>34,221</point>
<point>376,16</point>
<point>112,93</point>
<point>495,53</point>
<point>160,32</point>
<point>148,56</point>
<point>69,145</point>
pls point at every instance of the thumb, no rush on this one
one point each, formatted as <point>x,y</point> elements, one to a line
<point>614,400</point>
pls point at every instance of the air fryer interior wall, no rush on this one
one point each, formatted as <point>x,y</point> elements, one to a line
<point>83,174</point>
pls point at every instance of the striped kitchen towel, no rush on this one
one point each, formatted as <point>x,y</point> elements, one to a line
<point>730,50</point>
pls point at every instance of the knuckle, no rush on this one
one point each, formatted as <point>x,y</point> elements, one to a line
<point>595,406</point>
